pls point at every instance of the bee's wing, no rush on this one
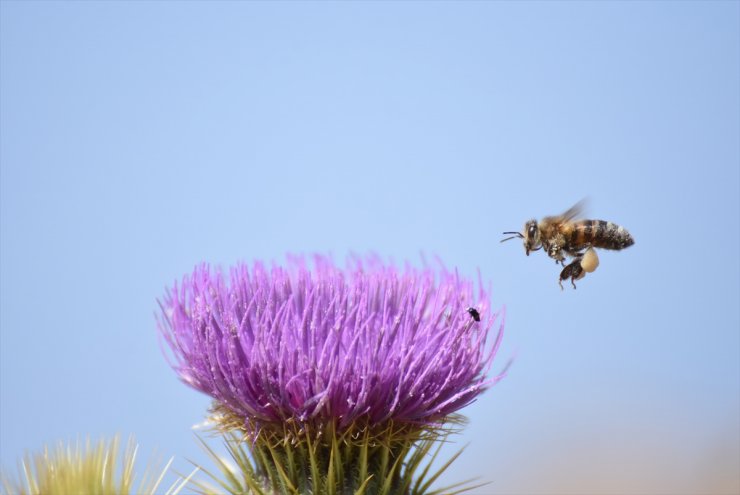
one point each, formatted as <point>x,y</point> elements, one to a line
<point>575,211</point>
<point>571,213</point>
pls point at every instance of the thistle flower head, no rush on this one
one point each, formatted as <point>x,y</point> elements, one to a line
<point>314,344</point>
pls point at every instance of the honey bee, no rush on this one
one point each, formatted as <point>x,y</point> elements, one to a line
<point>567,235</point>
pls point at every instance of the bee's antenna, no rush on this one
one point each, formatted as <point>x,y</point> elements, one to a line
<point>516,234</point>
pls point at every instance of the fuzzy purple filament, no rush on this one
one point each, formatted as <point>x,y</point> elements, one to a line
<point>370,343</point>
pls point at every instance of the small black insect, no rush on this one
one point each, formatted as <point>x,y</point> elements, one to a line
<point>474,313</point>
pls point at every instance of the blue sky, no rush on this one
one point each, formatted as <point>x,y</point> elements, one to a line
<point>138,139</point>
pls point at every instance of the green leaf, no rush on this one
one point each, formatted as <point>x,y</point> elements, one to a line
<point>441,470</point>
<point>287,486</point>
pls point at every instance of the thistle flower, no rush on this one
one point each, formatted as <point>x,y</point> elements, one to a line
<point>294,353</point>
<point>92,469</point>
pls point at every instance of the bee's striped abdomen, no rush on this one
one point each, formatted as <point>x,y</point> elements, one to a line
<point>601,234</point>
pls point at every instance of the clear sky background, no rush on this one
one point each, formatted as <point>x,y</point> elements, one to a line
<point>138,139</point>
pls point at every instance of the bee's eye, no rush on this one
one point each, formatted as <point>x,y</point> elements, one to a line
<point>532,231</point>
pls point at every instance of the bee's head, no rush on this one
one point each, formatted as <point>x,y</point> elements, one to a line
<point>531,236</point>
<point>532,241</point>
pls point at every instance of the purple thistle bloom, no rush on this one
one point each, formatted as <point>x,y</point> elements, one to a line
<point>369,344</point>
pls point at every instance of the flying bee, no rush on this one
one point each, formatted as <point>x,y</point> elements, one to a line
<point>567,235</point>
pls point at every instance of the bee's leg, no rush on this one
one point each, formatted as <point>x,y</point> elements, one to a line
<point>554,252</point>
<point>557,254</point>
<point>572,271</point>
<point>560,283</point>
